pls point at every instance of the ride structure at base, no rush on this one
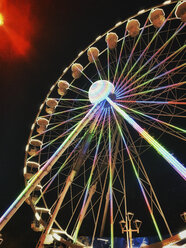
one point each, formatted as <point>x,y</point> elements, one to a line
<point>120,99</point>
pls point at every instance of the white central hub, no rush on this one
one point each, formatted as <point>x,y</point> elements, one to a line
<point>100,90</point>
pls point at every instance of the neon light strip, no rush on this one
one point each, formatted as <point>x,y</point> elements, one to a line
<point>84,76</point>
<point>66,111</point>
<point>153,90</point>
<point>156,66</point>
<point>62,166</point>
<point>110,187</point>
<point>154,78</point>
<point>138,178</point>
<point>47,166</point>
<point>52,141</point>
<point>121,50</point>
<point>153,56</point>
<point>61,123</point>
<point>96,66</point>
<point>159,148</point>
<point>74,87</point>
<point>89,182</point>
<point>152,118</point>
<point>153,102</point>
<point>75,99</point>
<point>108,64</point>
<point>132,52</point>
<point>147,47</point>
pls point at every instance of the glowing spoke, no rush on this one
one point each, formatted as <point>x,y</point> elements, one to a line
<point>61,168</point>
<point>46,168</point>
<point>95,63</point>
<point>85,77</point>
<point>79,89</point>
<point>121,50</point>
<point>132,52</point>
<point>110,187</point>
<point>153,56</point>
<point>60,124</point>
<point>159,148</point>
<point>155,67</point>
<point>66,111</point>
<point>75,99</point>
<point>155,89</point>
<point>153,102</point>
<point>155,119</point>
<point>108,65</point>
<point>82,213</point>
<point>147,47</point>
<point>138,178</point>
<point>52,141</point>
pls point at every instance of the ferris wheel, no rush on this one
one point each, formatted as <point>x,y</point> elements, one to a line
<point>113,105</point>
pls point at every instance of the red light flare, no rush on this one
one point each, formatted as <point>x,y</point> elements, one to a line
<point>18,29</point>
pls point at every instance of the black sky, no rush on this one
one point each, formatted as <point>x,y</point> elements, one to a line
<point>64,29</point>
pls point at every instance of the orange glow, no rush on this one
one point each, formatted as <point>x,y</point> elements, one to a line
<point>1,20</point>
<point>19,43</point>
<point>18,29</point>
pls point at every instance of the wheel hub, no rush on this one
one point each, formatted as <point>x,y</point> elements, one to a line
<point>100,90</point>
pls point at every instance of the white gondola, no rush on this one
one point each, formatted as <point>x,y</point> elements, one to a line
<point>111,39</point>
<point>181,11</point>
<point>92,54</point>
<point>51,105</point>
<point>35,144</point>
<point>157,17</point>
<point>63,86</point>
<point>76,70</point>
<point>33,164</point>
<point>42,123</point>
<point>133,27</point>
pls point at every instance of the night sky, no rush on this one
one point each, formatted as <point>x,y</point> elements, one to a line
<point>38,40</point>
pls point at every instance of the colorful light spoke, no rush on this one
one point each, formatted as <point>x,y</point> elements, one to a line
<point>155,89</point>
<point>144,51</point>
<point>120,54</point>
<point>108,64</point>
<point>90,178</point>
<point>153,79</point>
<point>131,54</point>
<point>110,184</point>
<point>153,56</point>
<point>138,178</point>
<point>152,69</point>
<point>45,169</point>
<point>61,167</point>
<point>153,102</point>
<point>152,118</point>
<point>159,148</point>
<point>96,65</point>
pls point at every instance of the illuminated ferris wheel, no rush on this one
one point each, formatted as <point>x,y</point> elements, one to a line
<point>116,102</point>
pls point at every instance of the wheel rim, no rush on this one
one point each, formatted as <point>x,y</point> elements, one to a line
<point>146,90</point>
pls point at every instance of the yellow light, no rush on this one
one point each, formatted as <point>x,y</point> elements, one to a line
<point>37,216</point>
<point>182,234</point>
<point>1,20</point>
<point>56,236</point>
